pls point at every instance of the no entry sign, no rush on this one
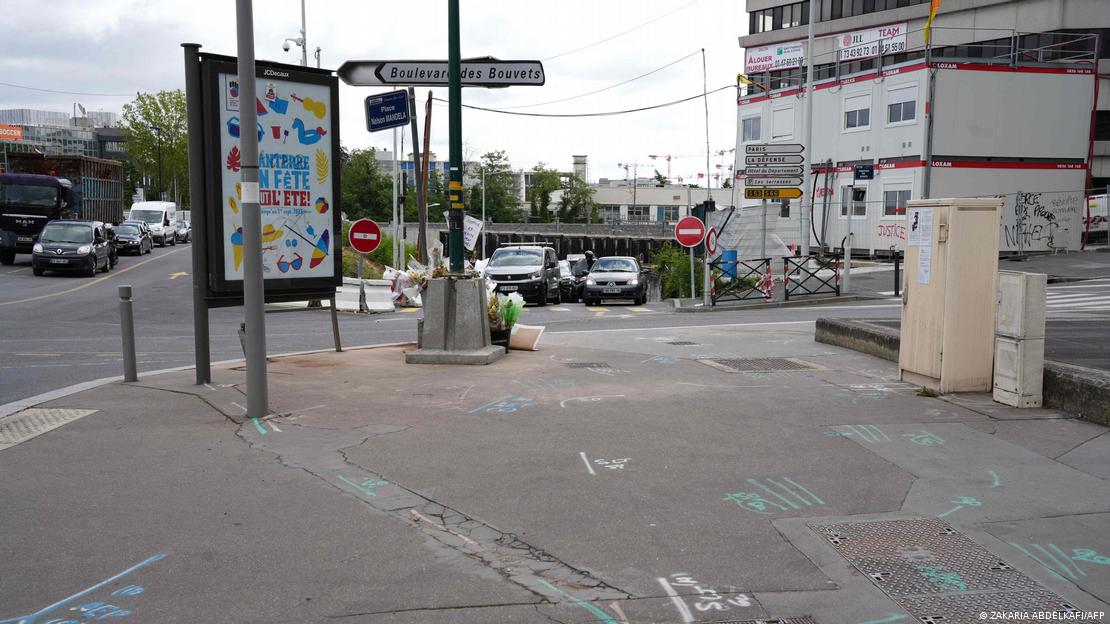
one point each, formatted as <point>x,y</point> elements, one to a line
<point>711,241</point>
<point>689,231</point>
<point>365,236</point>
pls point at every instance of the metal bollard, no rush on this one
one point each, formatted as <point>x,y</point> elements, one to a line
<point>243,338</point>
<point>127,330</point>
<point>897,274</point>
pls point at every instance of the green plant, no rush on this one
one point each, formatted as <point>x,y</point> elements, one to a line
<point>673,265</point>
<point>383,255</point>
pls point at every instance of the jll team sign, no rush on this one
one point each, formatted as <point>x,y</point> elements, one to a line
<point>295,176</point>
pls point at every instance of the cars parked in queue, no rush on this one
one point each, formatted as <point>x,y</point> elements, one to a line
<point>72,245</point>
<point>615,277</point>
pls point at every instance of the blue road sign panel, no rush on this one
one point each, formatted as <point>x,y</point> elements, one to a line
<point>387,110</point>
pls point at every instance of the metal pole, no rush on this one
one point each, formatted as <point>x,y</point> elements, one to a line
<point>483,211</point>
<point>846,278</point>
<point>361,286</point>
<point>705,280</point>
<point>335,326</point>
<point>423,251</point>
<point>693,291</point>
<point>199,212</point>
<point>304,39</point>
<point>161,190</point>
<point>127,331</point>
<point>807,189</point>
<point>456,209</point>
<point>254,294</point>
<point>398,262</point>
<point>763,238</point>
<point>421,198</point>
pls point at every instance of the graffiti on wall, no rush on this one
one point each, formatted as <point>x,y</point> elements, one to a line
<point>1040,221</point>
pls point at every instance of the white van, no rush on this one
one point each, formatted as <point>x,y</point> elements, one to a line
<point>160,216</point>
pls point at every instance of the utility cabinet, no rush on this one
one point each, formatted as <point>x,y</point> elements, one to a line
<point>949,294</point>
<point>1019,338</point>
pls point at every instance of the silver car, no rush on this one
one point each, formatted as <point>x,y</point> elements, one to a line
<point>615,277</point>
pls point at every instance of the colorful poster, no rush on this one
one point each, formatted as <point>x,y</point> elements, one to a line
<point>295,176</point>
<point>773,57</point>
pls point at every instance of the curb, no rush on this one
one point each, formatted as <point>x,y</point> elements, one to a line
<point>1078,390</point>
<point>793,303</point>
<point>8,409</point>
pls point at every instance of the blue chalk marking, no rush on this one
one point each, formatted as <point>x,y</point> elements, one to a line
<point>772,492</point>
<point>802,488</point>
<point>605,617</point>
<point>893,617</point>
<point>790,492</point>
<point>258,425</point>
<point>356,486</point>
<point>1034,558</point>
<point>1060,564</point>
<point>956,508</point>
<point>994,475</point>
<point>34,617</point>
<point>1067,558</point>
<point>490,404</point>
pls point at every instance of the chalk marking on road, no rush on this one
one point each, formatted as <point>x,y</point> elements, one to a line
<point>439,527</point>
<point>605,617</point>
<point>1050,569</point>
<point>563,403</point>
<point>93,282</point>
<point>714,325</point>
<point>893,617</point>
<point>274,427</point>
<point>679,603</point>
<point>687,383</point>
<point>587,462</point>
<point>994,475</point>
<point>32,618</point>
<point>239,406</point>
<point>258,425</point>
<point>620,613</point>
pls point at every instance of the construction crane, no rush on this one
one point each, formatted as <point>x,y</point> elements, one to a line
<point>666,157</point>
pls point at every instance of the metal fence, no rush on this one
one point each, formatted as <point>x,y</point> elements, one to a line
<point>737,280</point>
<point>809,275</point>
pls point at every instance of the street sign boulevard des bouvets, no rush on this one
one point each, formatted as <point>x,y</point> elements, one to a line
<point>485,72</point>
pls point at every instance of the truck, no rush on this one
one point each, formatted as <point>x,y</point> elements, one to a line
<point>160,217</point>
<point>38,189</point>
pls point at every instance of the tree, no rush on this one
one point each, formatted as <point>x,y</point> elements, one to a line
<point>726,184</point>
<point>156,120</point>
<point>538,195</point>
<point>660,179</point>
<point>502,205</point>
<point>576,205</point>
<point>366,192</point>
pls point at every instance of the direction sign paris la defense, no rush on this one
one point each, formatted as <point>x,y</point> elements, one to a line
<point>485,72</point>
<point>776,171</point>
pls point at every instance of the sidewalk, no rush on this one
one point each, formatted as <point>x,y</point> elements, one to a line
<point>642,479</point>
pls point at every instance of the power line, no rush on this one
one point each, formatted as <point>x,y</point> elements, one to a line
<point>620,34</point>
<point>582,95</point>
<point>604,114</point>
<point>8,84</point>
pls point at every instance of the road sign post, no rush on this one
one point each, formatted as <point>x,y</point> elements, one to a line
<point>774,172</point>
<point>710,249</point>
<point>487,72</point>
<point>689,232</point>
<point>364,237</point>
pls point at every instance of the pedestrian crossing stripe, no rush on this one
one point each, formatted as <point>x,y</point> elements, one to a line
<point>597,309</point>
<point>560,309</point>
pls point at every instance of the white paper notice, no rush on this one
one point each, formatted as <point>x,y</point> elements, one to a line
<point>924,263</point>
<point>920,226</point>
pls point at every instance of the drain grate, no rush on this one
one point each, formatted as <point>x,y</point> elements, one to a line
<point>760,365</point>
<point>23,426</point>
<point>588,365</point>
<point>935,572</point>
<point>683,343</point>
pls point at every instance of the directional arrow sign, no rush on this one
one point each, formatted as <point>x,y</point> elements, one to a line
<point>772,193</point>
<point>774,159</point>
<point>772,181</point>
<point>487,72</point>
<point>775,148</point>
<point>773,171</point>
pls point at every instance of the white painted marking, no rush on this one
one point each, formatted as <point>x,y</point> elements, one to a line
<point>239,406</point>
<point>616,607</point>
<point>1098,302</point>
<point>687,383</point>
<point>587,461</point>
<point>635,329</point>
<point>435,525</point>
<point>690,231</point>
<point>679,603</point>
<point>364,236</point>
<point>274,427</point>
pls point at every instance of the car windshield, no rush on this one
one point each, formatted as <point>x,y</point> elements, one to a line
<point>150,216</point>
<point>564,268</point>
<point>615,265</point>
<point>127,228</point>
<point>516,257</point>
<point>28,195</point>
<point>60,233</point>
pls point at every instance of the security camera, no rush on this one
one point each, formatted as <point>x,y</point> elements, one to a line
<point>285,46</point>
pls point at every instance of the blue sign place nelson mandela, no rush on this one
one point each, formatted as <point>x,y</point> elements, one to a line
<point>387,110</point>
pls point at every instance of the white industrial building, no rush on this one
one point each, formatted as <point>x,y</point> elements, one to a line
<point>1005,105</point>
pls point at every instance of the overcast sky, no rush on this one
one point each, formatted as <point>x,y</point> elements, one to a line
<point>122,46</point>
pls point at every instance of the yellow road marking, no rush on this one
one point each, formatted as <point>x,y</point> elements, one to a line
<point>87,284</point>
<point>409,309</point>
<point>598,309</point>
<point>560,309</point>
<point>639,309</point>
<point>174,276</point>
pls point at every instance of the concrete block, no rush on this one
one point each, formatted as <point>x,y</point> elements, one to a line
<point>1084,392</point>
<point>455,329</point>
<point>484,355</point>
<point>869,338</point>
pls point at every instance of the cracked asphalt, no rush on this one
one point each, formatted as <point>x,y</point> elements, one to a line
<point>612,476</point>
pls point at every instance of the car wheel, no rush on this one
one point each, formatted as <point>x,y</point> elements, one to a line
<point>541,300</point>
<point>173,241</point>
<point>37,270</point>
<point>7,257</point>
<point>91,270</point>
<point>558,297</point>
<point>107,265</point>
<point>163,243</point>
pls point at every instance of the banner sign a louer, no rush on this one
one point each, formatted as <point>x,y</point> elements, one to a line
<point>774,57</point>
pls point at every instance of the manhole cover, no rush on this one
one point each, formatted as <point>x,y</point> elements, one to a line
<point>23,426</point>
<point>588,365</point>
<point>760,365</point>
<point>683,343</point>
<point>935,572</point>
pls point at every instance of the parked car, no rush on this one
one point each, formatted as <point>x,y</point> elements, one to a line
<point>161,216</point>
<point>133,237</point>
<point>566,282</point>
<point>72,245</point>
<point>531,270</point>
<point>615,277</point>
<point>184,232</point>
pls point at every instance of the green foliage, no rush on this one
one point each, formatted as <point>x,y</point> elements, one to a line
<point>501,204</point>
<point>660,179</point>
<point>165,111</point>
<point>366,191</point>
<point>673,265</point>
<point>544,182</point>
<point>383,255</point>
<point>576,205</point>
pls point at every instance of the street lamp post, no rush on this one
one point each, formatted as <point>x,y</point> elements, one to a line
<point>302,41</point>
<point>157,130</point>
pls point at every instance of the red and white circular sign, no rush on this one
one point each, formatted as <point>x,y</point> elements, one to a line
<point>711,241</point>
<point>689,231</point>
<point>365,236</point>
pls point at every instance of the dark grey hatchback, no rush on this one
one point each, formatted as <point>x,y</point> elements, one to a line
<point>72,245</point>
<point>615,277</point>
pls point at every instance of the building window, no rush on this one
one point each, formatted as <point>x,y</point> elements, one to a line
<point>782,123</point>
<point>901,105</point>
<point>751,129</point>
<point>857,112</point>
<point>894,202</point>
<point>611,214</point>
<point>670,213</point>
<point>784,208</point>
<point>638,213</point>
<point>848,195</point>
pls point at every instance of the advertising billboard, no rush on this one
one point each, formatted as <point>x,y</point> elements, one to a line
<point>774,57</point>
<point>862,44</point>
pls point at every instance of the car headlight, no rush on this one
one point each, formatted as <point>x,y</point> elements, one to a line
<point>633,282</point>
<point>37,248</point>
<point>590,281</point>
<point>84,249</point>
<point>535,275</point>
